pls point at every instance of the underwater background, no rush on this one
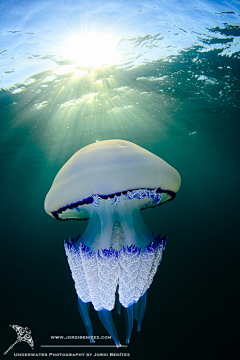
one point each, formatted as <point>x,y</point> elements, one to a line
<point>166,76</point>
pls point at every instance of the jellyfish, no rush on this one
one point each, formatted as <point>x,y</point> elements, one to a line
<point>114,261</point>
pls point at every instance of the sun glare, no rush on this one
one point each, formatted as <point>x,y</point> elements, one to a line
<point>92,50</point>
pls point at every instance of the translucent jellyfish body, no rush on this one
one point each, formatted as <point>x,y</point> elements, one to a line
<point>114,261</point>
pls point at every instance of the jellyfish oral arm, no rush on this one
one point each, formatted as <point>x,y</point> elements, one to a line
<point>116,254</point>
<point>100,277</point>
<point>104,214</point>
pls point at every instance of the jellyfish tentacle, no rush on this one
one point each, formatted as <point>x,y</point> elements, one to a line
<point>83,309</point>
<point>106,318</point>
<point>129,319</point>
<point>142,304</point>
<point>117,302</point>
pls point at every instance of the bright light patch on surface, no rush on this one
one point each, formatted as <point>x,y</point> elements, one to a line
<point>64,69</point>
<point>92,50</point>
<point>49,78</point>
<point>72,103</point>
<point>79,73</point>
<point>40,105</point>
<point>18,90</point>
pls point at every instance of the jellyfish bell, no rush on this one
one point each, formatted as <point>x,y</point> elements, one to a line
<point>115,259</point>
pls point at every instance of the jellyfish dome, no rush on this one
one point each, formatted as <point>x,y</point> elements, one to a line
<point>115,259</point>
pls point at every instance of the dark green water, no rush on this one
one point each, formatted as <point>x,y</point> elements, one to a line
<point>185,109</point>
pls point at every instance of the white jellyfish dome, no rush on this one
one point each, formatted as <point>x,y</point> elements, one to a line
<point>116,258</point>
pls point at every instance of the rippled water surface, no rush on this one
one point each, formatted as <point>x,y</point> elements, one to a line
<point>166,76</point>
